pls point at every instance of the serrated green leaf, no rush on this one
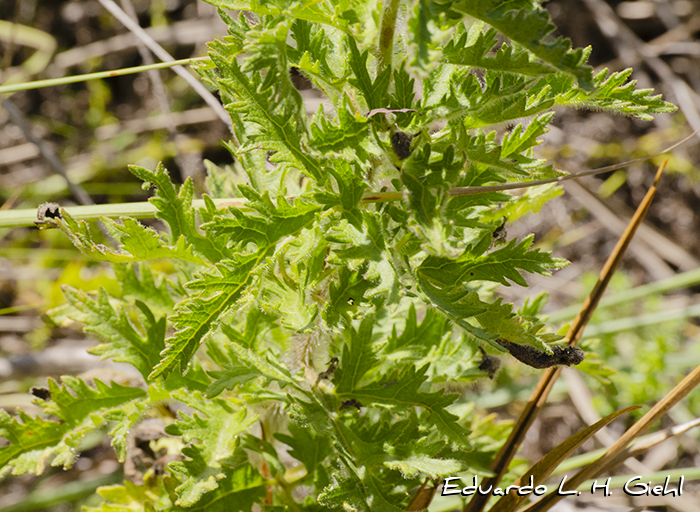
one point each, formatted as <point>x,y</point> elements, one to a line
<point>422,201</point>
<point>128,498</point>
<point>426,334</point>
<point>310,449</point>
<point>349,132</point>
<point>264,366</point>
<point>366,242</point>
<point>30,442</point>
<point>75,400</point>
<point>614,93</point>
<point>145,244</point>
<point>307,255</point>
<point>82,409</point>
<point>175,208</point>
<point>240,365</point>
<point>498,266</point>
<point>213,442</point>
<point>531,201</point>
<point>405,392</point>
<point>125,342</point>
<point>229,377</point>
<point>347,295</point>
<point>308,11</point>
<point>404,93</point>
<point>79,234</point>
<point>348,490</point>
<point>249,98</point>
<point>124,419</point>
<point>519,140</point>
<point>236,492</point>
<point>357,358</point>
<point>494,319</point>
<point>239,491</point>
<point>351,187</point>
<point>525,22</point>
<point>141,282</point>
<point>268,225</point>
<point>476,54</point>
<point>194,316</point>
<point>456,301</point>
<point>374,91</point>
<point>294,308</point>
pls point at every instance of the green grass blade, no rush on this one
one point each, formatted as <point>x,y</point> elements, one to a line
<point>684,280</point>
<point>38,84</point>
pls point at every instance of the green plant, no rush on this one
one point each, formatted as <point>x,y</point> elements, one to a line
<point>331,327</point>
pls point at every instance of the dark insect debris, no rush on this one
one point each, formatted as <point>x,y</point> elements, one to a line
<point>42,393</point>
<point>401,142</point>
<point>538,359</point>
<point>328,373</point>
<point>489,364</point>
<point>500,233</point>
<point>140,455</point>
<point>300,82</point>
<point>47,211</point>
<point>348,404</point>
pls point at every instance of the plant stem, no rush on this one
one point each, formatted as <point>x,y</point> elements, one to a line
<point>38,84</point>
<point>144,210</point>
<point>684,280</point>
<point>387,27</point>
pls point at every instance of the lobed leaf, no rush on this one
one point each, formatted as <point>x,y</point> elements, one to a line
<point>506,60</point>
<point>528,24</point>
<point>308,11</point>
<point>125,343</point>
<point>498,266</point>
<point>175,208</point>
<point>212,442</point>
<point>195,316</point>
<point>82,409</point>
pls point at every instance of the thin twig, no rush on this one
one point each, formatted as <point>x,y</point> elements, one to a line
<point>184,33</point>
<point>645,254</point>
<point>546,383</point>
<point>611,456</point>
<point>612,264</point>
<point>465,191</point>
<point>18,119</point>
<point>163,55</point>
<point>159,92</point>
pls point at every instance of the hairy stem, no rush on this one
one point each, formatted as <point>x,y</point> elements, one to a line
<point>145,210</point>
<point>387,27</point>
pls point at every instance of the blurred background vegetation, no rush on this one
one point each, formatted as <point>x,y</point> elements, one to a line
<point>71,144</point>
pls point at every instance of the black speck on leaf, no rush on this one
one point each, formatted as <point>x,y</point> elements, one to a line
<point>401,142</point>
<point>349,404</point>
<point>42,393</point>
